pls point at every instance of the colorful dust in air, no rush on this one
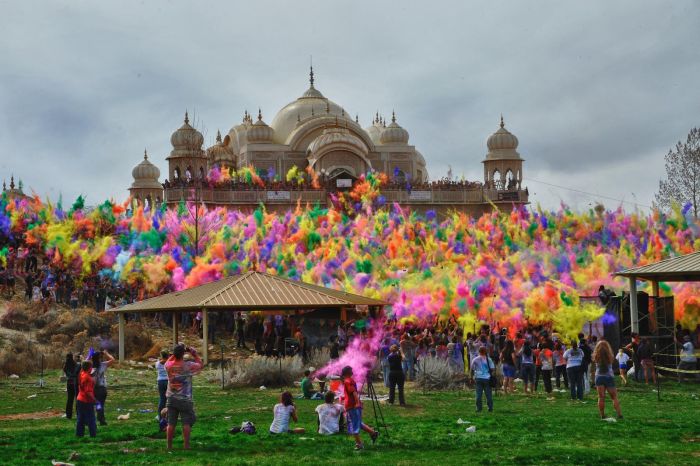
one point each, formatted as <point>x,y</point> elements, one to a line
<point>505,268</point>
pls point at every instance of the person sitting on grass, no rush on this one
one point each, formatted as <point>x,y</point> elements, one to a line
<point>179,394</point>
<point>86,401</point>
<point>283,411</point>
<point>307,387</point>
<point>353,410</point>
<point>329,415</point>
<point>605,377</point>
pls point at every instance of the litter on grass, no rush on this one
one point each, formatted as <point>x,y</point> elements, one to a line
<point>610,419</point>
<point>123,417</point>
<point>262,387</point>
<point>471,429</point>
<point>462,421</point>
<point>31,396</point>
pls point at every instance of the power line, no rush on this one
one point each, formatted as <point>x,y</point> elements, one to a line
<point>589,193</point>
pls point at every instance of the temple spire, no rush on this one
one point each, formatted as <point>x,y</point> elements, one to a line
<point>502,124</point>
<point>311,76</point>
<point>12,182</point>
<point>393,116</point>
<point>187,118</point>
<point>259,114</point>
<point>357,118</point>
<point>218,136</point>
<point>145,154</point>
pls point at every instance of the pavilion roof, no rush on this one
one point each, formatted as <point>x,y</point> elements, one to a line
<point>251,291</point>
<point>684,268</point>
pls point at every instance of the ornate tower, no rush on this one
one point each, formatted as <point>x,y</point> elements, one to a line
<point>503,167</point>
<point>146,190</point>
<point>187,161</point>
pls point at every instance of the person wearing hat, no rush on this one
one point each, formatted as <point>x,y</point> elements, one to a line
<point>179,393</point>
<point>688,360</point>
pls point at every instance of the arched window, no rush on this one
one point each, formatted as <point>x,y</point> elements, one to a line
<point>188,173</point>
<point>497,181</point>
<point>176,173</point>
<point>510,180</point>
<point>201,173</point>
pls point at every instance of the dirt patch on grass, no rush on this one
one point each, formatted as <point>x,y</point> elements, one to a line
<point>31,416</point>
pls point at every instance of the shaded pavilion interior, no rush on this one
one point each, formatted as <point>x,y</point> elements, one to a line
<point>247,292</point>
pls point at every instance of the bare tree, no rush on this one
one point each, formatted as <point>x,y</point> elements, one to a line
<point>682,183</point>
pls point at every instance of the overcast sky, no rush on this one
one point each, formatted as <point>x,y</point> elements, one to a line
<point>596,91</point>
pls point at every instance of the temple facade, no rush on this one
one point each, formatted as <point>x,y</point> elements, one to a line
<point>315,133</point>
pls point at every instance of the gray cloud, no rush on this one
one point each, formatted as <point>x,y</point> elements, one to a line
<point>596,91</point>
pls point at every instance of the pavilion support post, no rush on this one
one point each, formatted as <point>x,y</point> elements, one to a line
<point>205,337</point>
<point>176,323</point>
<point>121,337</point>
<point>634,310</point>
<point>344,315</point>
<point>655,288</point>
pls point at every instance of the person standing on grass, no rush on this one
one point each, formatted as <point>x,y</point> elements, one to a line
<point>179,394</point>
<point>622,360</point>
<point>646,357</point>
<point>574,359</point>
<point>546,363</point>
<point>353,410</point>
<point>560,365</point>
<point>586,362</point>
<point>605,377</point>
<point>527,367</point>
<point>483,369</point>
<point>688,360</point>
<point>508,359</point>
<point>70,369</point>
<point>100,373</point>
<point>162,380</point>
<point>396,375</point>
<point>634,347</point>
<point>85,406</point>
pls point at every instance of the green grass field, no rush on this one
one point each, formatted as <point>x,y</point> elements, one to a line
<point>522,430</point>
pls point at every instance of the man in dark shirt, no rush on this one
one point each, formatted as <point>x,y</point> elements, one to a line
<point>335,347</point>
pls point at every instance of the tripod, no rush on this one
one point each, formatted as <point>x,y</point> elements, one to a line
<point>376,407</point>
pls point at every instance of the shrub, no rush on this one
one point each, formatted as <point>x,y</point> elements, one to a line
<point>15,317</point>
<point>318,358</point>
<point>73,323</point>
<point>436,374</point>
<point>262,370</point>
<point>21,356</point>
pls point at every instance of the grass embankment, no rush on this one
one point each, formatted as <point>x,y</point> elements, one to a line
<point>522,430</point>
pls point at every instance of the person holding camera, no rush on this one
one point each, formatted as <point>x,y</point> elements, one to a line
<point>101,361</point>
<point>179,394</point>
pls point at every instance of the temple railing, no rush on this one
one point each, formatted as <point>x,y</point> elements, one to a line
<point>418,196</point>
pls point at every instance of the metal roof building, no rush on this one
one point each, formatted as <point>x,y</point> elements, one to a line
<point>251,291</point>
<point>684,268</point>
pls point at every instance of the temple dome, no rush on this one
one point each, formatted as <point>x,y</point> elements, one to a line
<point>393,134</point>
<point>186,137</point>
<point>502,144</point>
<point>311,104</point>
<point>502,139</point>
<point>220,153</point>
<point>375,130</point>
<point>145,174</point>
<point>260,131</point>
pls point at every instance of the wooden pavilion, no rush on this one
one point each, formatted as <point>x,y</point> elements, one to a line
<point>251,291</point>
